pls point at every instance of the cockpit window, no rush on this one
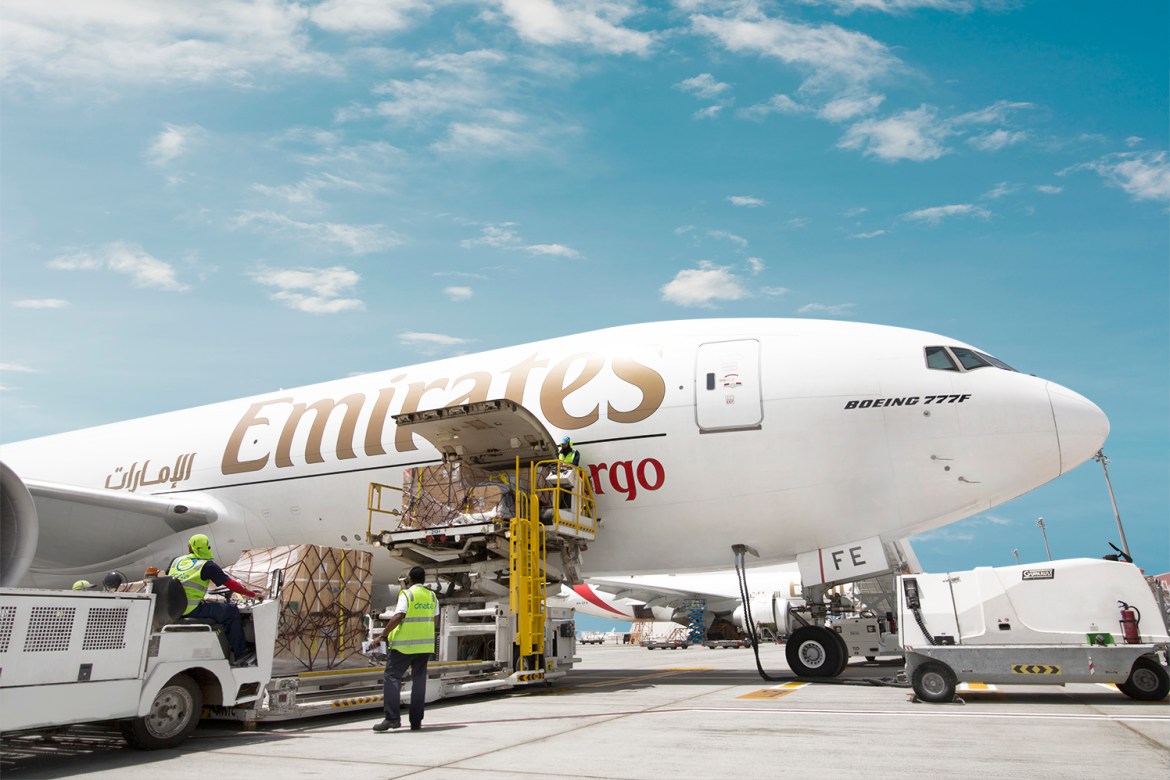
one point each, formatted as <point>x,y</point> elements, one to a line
<point>938,358</point>
<point>995,361</point>
<point>969,358</point>
<point>961,359</point>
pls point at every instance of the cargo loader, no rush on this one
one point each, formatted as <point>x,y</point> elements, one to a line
<point>493,524</point>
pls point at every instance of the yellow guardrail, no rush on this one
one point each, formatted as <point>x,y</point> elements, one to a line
<point>374,506</point>
<point>567,489</point>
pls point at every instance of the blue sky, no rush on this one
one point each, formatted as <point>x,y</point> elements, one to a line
<point>206,199</point>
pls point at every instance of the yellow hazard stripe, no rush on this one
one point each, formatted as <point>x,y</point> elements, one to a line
<point>1035,669</point>
<point>355,702</point>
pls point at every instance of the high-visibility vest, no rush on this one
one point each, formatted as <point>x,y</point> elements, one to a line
<point>572,457</point>
<point>188,570</point>
<point>416,633</point>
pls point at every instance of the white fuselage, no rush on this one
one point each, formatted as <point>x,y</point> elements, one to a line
<point>785,435</point>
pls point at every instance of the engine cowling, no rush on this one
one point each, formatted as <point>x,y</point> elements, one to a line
<point>769,610</point>
<point>18,528</point>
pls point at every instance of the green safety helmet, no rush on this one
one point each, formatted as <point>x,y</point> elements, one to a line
<point>200,546</point>
<point>82,585</point>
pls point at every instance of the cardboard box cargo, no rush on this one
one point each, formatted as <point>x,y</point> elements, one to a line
<point>324,600</point>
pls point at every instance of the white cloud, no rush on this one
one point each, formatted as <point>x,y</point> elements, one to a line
<point>936,214</point>
<point>1049,189</point>
<point>912,135</point>
<point>723,235</point>
<point>95,46</point>
<point>477,138</point>
<point>356,239</point>
<point>831,310</point>
<point>1001,189</point>
<point>997,113</point>
<point>703,285</point>
<point>173,142</point>
<point>830,54</point>
<point>596,25</point>
<point>777,104</point>
<point>304,192</point>
<point>499,236</point>
<point>367,17</point>
<point>502,236</point>
<point>900,6</point>
<point>756,266</point>
<point>41,303</point>
<point>429,343</point>
<point>746,200</point>
<point>774,291</point>
<point>871,234</point>
<point>16,368</point>
<point>1142,175</point>
<point>144,269</point>
<point>458,293</point>
<point>1133,140</point>
<point>558,250</point>
<point>312,290</point>
<point>996,140</point>
<point>710,112</point>
<point>704,86</point>
<point>850,106</point>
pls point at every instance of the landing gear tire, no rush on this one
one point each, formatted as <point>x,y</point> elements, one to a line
<point>815,651</point>
<point>1148,681</point>
<point>934,682</point>
<point>173,715</point>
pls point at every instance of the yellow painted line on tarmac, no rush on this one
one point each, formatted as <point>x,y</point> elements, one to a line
<point>976,686</point>
<point>775,692</point>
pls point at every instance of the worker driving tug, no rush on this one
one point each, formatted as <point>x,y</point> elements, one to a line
<point>196,570</point>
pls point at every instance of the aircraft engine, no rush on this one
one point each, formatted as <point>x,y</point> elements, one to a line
<point>769,610</point>
<point>18,527</point>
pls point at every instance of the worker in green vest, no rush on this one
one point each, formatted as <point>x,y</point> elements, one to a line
<point>411,633</point>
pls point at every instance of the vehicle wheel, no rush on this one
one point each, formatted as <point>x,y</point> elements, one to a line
<point>934,682</point>
<point>173,715</point>
<point>814,651</point>
<point>1148,681</point>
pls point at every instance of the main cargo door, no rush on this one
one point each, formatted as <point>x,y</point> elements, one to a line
<point>727,386</point>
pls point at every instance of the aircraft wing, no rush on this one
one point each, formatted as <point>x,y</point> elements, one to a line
<point>658,596</point>
<point>78,526</point>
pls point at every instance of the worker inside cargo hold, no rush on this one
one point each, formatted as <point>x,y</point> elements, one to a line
<point>196,571</point>
<point>569,455</point>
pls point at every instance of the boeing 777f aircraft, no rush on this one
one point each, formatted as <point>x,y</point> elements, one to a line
<point>792,436</point>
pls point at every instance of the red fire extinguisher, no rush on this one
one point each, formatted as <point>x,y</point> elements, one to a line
<point>1130,617</point>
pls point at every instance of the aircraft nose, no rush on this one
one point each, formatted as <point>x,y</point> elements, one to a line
<point>1081,426</point>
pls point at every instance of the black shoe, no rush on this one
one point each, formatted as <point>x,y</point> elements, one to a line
<point>247,659</point>
<point>386,725</point>
<point>415,726</point>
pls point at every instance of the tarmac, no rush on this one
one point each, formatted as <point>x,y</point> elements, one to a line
<point>634,714</point>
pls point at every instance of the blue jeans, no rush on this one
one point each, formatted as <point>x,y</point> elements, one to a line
<point>228,616</point>
<point>396,665</point>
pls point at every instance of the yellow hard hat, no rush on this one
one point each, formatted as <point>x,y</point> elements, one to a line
<point>82,585</point>
<point>200,546</point>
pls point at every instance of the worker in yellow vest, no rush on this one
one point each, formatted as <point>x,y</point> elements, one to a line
<point>195,571</point>
<point>411,633</point>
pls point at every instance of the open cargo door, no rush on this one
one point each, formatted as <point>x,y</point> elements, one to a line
<point>487,434</point>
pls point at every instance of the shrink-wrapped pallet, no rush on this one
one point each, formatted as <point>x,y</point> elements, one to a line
<point>325,596</point>
<point>434,496</point>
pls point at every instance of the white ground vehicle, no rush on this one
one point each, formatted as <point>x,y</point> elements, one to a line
<point>77,657</point>
<point>1077,620</point>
